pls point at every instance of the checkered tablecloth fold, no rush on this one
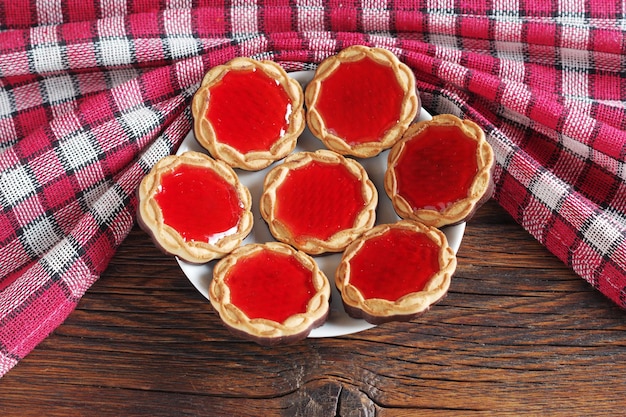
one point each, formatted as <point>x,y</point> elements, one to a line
<point>93,94</point>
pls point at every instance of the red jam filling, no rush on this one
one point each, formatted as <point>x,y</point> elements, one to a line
<point>270,285</point>
<point>198,203</point>
<point>248,110</point>
<point>319,200</point>
<point>360,101</point>
<point>394,264</point>
<point>437,168</point>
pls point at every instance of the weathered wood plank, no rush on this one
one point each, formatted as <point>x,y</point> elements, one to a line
<point>518,333</point>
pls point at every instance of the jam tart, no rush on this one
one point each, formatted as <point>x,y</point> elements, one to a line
<point>248,113</point>
<point>361,100</point>
<point>194,207</point>
<point>270,293</point>
<point>395,272</point>
<point>440,172</point>
<point>318,201</point>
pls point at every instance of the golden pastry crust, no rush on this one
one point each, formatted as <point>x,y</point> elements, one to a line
<point>409,109</point>
<point>252,160</point>
<point>150,215</point>
<point>364,220</point>
<point>456,212</point>
<point>409,306</point>
<point>261,330</point>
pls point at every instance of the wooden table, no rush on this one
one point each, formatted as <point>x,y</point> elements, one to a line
<point>518,334</point>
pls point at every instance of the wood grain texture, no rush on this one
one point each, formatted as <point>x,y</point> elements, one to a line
<point>518,334</point>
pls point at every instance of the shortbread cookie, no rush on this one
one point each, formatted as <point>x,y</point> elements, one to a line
<point>440,172</point>
<point>248,113</point>
<point>361,101</point>
<point>395,272</point>
<point>194,207</point>
<point>318,201</point>
<point>270,293</point>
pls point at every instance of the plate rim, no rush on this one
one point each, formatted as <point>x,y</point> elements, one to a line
<point>338,322</point>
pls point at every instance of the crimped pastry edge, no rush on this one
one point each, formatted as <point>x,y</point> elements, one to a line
<point>150,216</point>
<point>409,306</point>
<point>339,241</point>
<point>409,109</point>
<point>253,160</point>
<point>480,190</point>
<point>265,331</point>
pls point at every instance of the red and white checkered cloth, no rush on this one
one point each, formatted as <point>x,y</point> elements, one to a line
<point>93,93</point>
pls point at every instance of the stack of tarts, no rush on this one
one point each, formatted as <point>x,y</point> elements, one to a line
<point>249,116</point>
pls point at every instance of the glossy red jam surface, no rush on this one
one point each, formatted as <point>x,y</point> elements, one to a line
<point>248,110</point>
<point>318,200</point>
<point>360,101</point>
<point>437,168</point>
<point>394,264</point>
<point>270,285</point>
<point>198,203</point>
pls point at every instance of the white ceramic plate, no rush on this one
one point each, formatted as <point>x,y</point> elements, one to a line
<point>338,322</point>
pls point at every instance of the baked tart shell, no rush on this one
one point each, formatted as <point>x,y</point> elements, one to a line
<point>408,306</point>
<point>312,245</point>
<point>265,331</point>
<point>409,106</point>
<point>252,160</point>
<point>150,216</point>
<point>478,192</point>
